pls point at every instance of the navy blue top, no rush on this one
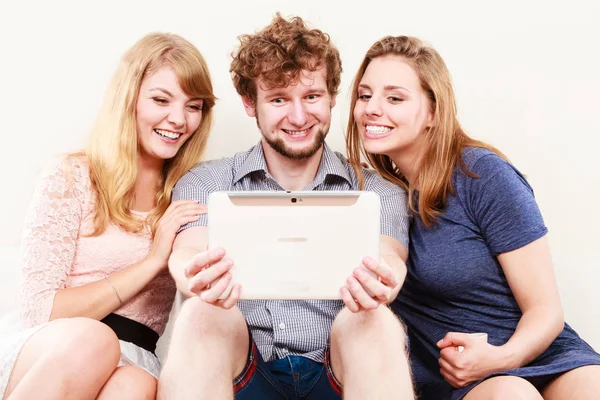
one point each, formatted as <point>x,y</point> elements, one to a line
<point>455,282</point>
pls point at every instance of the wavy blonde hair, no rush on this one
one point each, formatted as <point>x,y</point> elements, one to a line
<point>112,151</point>
<point>444,142</point>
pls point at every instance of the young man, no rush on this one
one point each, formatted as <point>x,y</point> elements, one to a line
<point>288,78</point>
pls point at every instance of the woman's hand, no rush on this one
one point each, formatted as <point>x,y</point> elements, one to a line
<point>179,213</point>
<point>465,358</point>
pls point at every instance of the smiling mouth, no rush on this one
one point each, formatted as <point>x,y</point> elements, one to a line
<point>168,134</point>
<point>377,129</point>
<point>296,133</point>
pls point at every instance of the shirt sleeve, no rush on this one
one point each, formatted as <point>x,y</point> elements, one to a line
<point>197,185</point>
<point>49,239</point>
<point>502,203</point>
<point>394,217</point>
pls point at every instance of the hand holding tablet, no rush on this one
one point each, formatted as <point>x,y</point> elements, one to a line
<point>292,245</point>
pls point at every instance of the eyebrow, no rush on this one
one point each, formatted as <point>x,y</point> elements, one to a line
<point>162,90</point>
<point>170,94</point>
<point>280,92</point>
<point>386,87</point>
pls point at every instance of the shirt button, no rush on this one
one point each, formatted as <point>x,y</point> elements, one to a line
<point>282,326</point>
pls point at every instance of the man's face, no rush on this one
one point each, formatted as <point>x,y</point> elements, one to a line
<point>294,120</point>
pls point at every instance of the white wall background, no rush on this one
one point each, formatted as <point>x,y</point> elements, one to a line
<point>526,75</point>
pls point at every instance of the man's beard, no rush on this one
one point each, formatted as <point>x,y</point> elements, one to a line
<point>282,148</point>
<point>279,145</point>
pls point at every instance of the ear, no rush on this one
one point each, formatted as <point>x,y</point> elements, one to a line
<point>332,100</point>
<point>249,106</point>
<point>430,120</point>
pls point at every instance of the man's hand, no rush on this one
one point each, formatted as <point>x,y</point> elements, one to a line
<point>209,277</point>
<point>370,285</point>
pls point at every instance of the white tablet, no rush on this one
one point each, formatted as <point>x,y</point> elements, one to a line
<point>294,245</point>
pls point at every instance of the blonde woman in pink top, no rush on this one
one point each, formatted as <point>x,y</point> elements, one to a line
<point>97,292</point>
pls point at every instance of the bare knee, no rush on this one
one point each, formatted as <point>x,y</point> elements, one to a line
<point>379,323</point>
<point>203,320</point>
<point>129,382</point>
<point>504,387</point>
<point>91,341</point>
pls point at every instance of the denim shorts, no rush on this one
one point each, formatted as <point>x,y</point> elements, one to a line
<point>291,377</point>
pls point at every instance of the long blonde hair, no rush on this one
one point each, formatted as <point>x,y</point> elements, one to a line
<point>112,151</point>
<point>444,141</point>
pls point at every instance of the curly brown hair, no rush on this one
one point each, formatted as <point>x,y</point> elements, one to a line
<point>278,54</point>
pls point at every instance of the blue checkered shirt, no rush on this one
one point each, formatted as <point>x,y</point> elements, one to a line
<point>292,327</point>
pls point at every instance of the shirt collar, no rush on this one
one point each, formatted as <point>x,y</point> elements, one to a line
<point>330,165</point>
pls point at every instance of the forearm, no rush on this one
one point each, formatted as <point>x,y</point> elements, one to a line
<point>179,259</point>
<point>537,329</point>
<point>98,299</point>
<point>399,267</point>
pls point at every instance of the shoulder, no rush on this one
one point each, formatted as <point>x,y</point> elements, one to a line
<point>221,170</point>
<point>373,181</point>
<point>72,170</point>
<point>484,162</point>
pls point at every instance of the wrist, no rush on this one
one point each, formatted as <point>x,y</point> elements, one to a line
<point>509,356</point>
<point>155,263</point>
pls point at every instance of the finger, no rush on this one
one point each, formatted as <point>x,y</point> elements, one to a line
<point>202,259</point>
<point>349,300</point>
<point>372,285</point>
<point>362,297</point>
<point>449,378</point>
<point>455,339</point>
<point>194,207</point>
<point>233,297</point>
<point>447,366</point>
<point>188,209</point>
<point>452,357</point>
<point>382,270</point>
<point>212,295</point>
<point>177,204</point>
<point>209,275</point>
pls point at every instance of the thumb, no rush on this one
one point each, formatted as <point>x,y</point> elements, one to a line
<point>454,339</point>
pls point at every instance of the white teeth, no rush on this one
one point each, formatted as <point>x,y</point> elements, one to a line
<point>295,132</point>
<point>377,129</point>
<point>167,134</point>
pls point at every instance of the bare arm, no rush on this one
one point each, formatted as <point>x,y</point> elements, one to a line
<point>98,299</point>
<point>364,291</point>
<point>530,275</point>
<point>395,255</point>
<point>187,244</point>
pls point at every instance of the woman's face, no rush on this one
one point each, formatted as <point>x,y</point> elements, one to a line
<point>166,117</point>
<point>392,110</point>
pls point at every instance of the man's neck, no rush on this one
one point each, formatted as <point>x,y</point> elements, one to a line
<point>289,173</point>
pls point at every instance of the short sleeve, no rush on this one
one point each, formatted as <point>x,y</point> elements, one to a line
<point>50,236</point>
<point>197,184</point>
<point>502,203</point>
<point>394,218</point>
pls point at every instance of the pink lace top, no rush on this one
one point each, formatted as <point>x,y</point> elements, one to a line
<point>57,254</point>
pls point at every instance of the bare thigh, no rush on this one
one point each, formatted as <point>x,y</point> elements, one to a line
<point>72,342</point>
<point>129,382</point>
<point>502,388</point>
<point>581,383</point>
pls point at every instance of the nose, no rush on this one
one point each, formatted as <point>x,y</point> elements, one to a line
<point>176,116</point>
<point>297,114</point>
<point>373,106</point>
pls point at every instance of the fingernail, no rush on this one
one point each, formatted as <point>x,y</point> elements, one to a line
<point>218,252</point>
<point>359,272</point>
